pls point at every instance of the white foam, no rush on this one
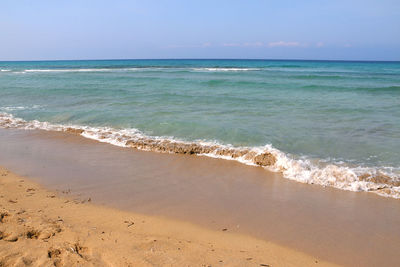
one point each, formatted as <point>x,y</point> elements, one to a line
<point>303,170</point>
<point>225,69</point>
<point>67,70</point>
<point>11,108</point>
<point>135,69</point>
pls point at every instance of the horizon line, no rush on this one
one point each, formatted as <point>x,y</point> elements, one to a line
<point>250,59</point>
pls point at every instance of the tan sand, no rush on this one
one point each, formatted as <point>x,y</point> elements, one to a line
<point>347,228</point>
<point>40,228</point>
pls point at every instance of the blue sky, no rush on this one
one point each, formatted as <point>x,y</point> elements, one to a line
<point>272,29</point>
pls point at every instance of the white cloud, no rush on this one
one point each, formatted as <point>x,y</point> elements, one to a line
<point>284,44</point>
<point>231,45</point>
<point>320,44</point>
<point>255,44</point>
<point>207,44</point>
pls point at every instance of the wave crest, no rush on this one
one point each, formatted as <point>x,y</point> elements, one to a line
<point>128,69</point>
<point>216,69</point>
<point>302,170</point>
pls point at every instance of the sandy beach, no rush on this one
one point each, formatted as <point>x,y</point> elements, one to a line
<point>39,227</point>
<point>180,198</point>
<point>200,133</point>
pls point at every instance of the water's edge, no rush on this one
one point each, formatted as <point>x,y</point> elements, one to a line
<point>346,177</point>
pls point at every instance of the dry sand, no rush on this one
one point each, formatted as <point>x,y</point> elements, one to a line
<point>42,228</point>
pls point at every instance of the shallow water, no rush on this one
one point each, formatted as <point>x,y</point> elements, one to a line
<point>330,122</point>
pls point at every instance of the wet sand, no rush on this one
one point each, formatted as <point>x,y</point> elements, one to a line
<point>348,228</point>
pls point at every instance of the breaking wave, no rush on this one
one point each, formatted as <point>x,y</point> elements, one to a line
<point>381,181</point>
<point>11,108</point>
<point>135,69</point>
<point>214,69</point>
<point>225,69</point>
<point>83,70</point>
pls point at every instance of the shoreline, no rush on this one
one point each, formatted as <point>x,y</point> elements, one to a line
<point>310,171</point>
<point>41,227</point>
<point>212,193</point>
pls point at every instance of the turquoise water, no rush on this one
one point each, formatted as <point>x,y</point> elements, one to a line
<point>336,112</point>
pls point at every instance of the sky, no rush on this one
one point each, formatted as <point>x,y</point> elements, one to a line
<point>259,29</point>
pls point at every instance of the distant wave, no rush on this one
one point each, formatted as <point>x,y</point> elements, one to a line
<point>13,108</point>
<point>71,70</point>
<point>214,69</point>
<point>225,69</point>
<point>378,180</point>
<point>336,73</point>
<point>93,70</point>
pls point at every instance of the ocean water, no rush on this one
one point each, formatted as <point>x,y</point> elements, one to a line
<point>329,123</point>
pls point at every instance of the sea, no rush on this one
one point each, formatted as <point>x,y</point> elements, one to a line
<point>331,123</point>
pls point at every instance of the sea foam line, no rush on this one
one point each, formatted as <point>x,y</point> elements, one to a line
<point>301,170</point>
<point>225,69</point>
<point>215,69</point>
<point>67,70</point>
<point>13,108</point>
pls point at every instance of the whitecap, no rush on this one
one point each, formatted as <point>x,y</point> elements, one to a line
<point>225,69</point>
<point>379,180</point>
